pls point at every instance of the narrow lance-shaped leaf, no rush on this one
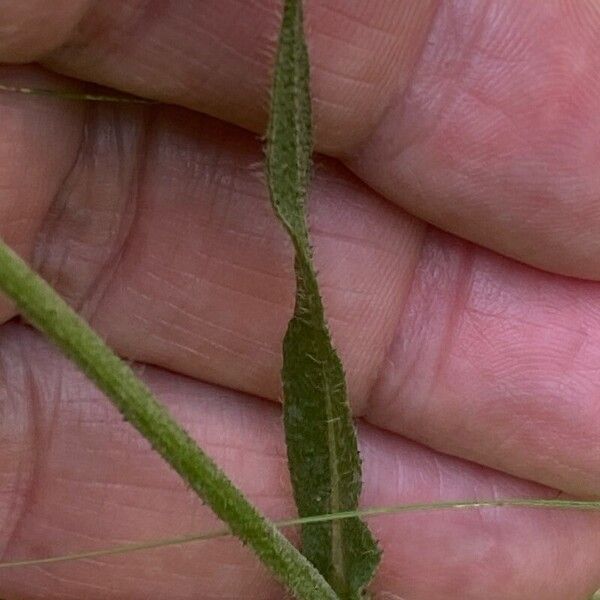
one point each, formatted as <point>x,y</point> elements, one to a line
<point>321,439</point>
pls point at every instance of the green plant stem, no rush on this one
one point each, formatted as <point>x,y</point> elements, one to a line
<point>46,310</point>
<point>584,505</point>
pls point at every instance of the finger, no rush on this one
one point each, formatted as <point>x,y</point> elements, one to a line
<point>494,139</point>
<point>75,477</point>
<point>37,148</point>
<point>169,247</point>
<point>498,362</point>
<point>30,29</point>
<point>426,101</point>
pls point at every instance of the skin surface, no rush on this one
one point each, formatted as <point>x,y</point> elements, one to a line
<point>456,225</point>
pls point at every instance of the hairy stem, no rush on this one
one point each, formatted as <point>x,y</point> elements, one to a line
<point>47,311</point>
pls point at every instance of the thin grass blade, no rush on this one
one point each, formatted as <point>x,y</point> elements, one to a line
<point>580,505</point>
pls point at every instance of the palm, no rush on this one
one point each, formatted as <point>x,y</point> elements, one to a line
<point>480,117</point>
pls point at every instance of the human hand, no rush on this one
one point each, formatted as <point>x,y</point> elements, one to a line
<point>471,355</point>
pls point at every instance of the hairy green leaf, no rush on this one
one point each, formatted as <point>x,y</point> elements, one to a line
<point>321,440</point>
